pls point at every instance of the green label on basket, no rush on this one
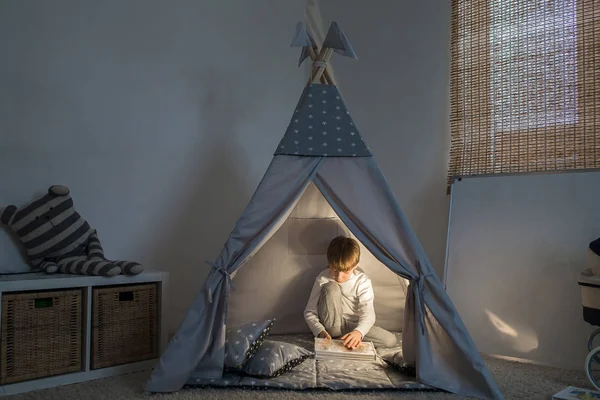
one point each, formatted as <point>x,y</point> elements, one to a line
<point>43,303</point>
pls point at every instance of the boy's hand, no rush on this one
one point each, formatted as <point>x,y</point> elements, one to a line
<point>325,335</point>
<point>352,340</point>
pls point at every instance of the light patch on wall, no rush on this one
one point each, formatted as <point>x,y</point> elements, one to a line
<point>521,339</point>
<point>500,325</point>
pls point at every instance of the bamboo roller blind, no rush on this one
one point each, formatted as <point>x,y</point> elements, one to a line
<point>525,86</point>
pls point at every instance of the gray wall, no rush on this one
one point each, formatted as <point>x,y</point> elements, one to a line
<point>516,246</point>
<point>160,116</point>
<point>398,94</point>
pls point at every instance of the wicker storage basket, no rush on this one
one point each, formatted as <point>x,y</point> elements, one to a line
<point>41,334</point>
<point>124,324</point>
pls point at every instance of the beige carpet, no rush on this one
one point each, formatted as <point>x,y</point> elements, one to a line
<point>516,381</point>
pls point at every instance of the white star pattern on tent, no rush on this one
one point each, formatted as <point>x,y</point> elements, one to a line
<point>323,105</point>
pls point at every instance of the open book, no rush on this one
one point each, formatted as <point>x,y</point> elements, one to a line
<point>328,349</point>
<point>575,393</point>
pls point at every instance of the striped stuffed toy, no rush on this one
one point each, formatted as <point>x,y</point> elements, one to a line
<point>57,238</point>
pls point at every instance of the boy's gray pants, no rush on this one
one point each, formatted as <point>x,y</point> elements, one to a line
<point>330,314</point>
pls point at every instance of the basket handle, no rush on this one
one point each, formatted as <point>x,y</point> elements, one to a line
<point>45,302</point>
<point>126,296</point>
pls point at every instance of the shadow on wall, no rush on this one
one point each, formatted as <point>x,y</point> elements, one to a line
<point>205,212</point>
<point>311,236</point>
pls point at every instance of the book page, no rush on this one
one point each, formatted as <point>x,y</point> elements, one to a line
<point>337,346</point>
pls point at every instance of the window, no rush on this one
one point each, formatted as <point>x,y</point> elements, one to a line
<point>525,86</point>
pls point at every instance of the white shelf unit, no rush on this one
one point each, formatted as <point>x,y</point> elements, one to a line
<point>40,282</point>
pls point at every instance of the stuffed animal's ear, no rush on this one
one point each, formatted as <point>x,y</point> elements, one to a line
<point>7,214</point>
<point>59,190</point>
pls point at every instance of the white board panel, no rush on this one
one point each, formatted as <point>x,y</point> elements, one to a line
<point>515,247</point>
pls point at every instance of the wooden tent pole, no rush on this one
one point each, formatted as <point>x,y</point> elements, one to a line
<point>324,57</point>
<point>317,58</point>
<point>321,74</point>
<point>326,78</point>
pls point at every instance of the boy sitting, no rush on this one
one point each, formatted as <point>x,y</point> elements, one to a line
<point>341,301</point>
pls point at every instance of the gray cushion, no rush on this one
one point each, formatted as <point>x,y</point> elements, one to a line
<point>274,358</point>
<point>242,341</point>
<point>396,359</point>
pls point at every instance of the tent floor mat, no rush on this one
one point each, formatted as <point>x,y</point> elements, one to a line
<point>314,374</point>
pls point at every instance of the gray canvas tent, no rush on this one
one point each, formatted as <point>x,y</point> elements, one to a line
<point>323,156</point>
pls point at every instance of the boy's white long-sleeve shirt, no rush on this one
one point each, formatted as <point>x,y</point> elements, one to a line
<point>357,302</point>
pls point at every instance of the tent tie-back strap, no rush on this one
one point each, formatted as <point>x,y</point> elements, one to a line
<point>226,274</point>
<point>420,281</point>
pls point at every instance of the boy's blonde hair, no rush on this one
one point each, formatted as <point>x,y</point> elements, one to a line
<point>343,253</point>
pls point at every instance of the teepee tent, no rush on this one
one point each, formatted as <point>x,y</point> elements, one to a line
<point>323,150</point>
